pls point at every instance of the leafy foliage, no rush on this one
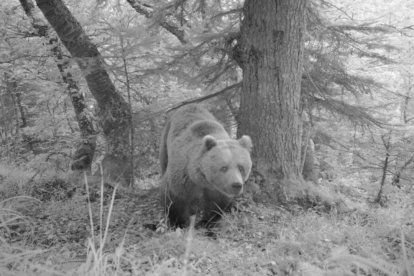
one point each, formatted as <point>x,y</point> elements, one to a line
<point>357,93</point>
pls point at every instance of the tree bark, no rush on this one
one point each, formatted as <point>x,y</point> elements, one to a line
<point>114,111</point>
<point>272,45</point>
<point>82,159</point>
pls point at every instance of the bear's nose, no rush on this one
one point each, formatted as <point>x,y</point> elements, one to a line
<point>236,187</point>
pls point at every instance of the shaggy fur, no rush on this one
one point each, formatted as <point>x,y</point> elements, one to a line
<point>201,166</point>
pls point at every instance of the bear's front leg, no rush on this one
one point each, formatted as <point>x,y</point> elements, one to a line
<point>214,204</point>
<point>178,213</point>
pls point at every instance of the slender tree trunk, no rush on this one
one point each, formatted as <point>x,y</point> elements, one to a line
<point>131,133</point>
<point>11,103</point>
<point>114,111</point>
<point>379,198</point>
<point>272,44</point>
<point>82,159</point>
<point>11,118</point>
<point>406,100</point>
<point>20,113</point>
<point>21,109</point>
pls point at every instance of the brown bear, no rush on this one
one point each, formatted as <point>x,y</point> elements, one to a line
<point>202,167</point>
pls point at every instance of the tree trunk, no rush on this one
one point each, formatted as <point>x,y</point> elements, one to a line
<point>21,109</point>
<point>113,109</point>
<point>11,103</point>
<point>272,45</point>
<point>82,159</point>
<point>380,199</point>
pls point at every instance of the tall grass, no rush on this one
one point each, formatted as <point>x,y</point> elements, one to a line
<point>14,257</point>
<point>97,262</point>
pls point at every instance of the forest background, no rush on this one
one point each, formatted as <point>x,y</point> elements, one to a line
<point>95,90</point>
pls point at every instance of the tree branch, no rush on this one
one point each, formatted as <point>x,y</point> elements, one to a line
<point>148,12</point>
<point>148,112</point>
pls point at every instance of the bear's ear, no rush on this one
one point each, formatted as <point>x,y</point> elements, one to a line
<point>209,142</point>
<point>246,142</point>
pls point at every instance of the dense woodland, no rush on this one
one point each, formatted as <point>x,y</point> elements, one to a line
<point>324,88</point>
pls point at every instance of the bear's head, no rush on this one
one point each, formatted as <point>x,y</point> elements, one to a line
<point>226,163</point>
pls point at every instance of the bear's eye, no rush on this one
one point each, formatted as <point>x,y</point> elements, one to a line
<point>241,169</point>
<point>224,169</point>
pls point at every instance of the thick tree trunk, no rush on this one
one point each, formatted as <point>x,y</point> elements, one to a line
<point>113,109</point>
<point>272,44</point>
<point>82,159</point>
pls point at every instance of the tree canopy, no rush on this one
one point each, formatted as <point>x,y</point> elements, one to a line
<point>323,87</point>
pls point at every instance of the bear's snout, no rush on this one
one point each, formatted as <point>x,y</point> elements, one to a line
<point>236,187</point>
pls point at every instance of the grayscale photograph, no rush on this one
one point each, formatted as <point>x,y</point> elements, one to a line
<point>207,137</point>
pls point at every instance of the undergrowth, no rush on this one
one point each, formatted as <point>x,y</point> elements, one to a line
<point>255,240</point>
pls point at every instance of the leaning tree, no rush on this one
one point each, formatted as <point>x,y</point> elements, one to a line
<point>114,111</point>
<point>83,156</point>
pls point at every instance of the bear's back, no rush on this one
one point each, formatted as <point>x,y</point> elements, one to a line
<point>195,122</point>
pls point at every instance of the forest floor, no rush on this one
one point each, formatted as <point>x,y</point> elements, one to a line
<point>51,235</point>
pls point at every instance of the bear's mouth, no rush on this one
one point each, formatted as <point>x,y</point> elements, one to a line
<point>227,191</point>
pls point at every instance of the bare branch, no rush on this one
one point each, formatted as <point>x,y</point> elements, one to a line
<point>365,29</point>
<point>156,110</point>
